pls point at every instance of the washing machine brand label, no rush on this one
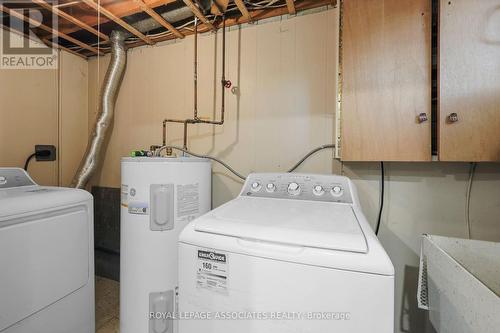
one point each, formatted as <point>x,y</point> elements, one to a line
<point>212,256</point>
<point>124,195</point>
<point>212,271</point>
<point>188,202</point>
<point>138,208</point>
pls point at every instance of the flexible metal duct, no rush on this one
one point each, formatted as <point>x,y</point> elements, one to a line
<point>172,16</point>
<point>111,85</point>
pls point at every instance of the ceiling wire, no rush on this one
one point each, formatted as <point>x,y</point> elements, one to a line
<point>136,38</point>
<point>232,8</point>
<point>212,18</point>
<point>264,4</point>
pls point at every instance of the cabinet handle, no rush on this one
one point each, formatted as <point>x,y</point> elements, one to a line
<point>453,117</point>
<point>422,117</point>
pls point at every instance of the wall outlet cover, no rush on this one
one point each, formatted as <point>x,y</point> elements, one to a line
<point>45,152</point>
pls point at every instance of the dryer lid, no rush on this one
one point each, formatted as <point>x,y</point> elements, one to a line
<point>294,222</point>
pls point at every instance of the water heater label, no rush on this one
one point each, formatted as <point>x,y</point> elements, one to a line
<point>212,270</point>
<point>188,202</point>
<point>124,195</point>
<point>138,208</point>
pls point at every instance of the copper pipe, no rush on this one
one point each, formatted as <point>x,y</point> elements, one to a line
<point>165,127</point>
<point>164,139</point>
<point>185,134</point>
<point>223,81</point>
<point>196,119</point>
<point>196,68</point>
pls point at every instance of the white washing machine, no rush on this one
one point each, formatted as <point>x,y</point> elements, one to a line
<point>46,257</point>
<point>292,253</point>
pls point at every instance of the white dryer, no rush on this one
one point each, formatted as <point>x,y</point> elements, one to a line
<point>292,253</point>
<point>46,257</point>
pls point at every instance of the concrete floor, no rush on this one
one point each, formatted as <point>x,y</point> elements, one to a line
<point>107,305</point>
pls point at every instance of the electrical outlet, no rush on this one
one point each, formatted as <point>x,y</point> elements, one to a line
<point>45,153</point>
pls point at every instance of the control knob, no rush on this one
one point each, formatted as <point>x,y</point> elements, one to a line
<point>293,189</point>
<point>270,187</point>
<point>256,186</point>
<point>318,190</point>
<point>337,191</point>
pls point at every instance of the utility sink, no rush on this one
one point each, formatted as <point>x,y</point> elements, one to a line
<point>459,283</point>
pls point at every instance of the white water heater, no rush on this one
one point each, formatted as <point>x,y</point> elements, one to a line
<point>159,197</point>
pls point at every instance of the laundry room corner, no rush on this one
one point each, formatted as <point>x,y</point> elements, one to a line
<point>178,166</point>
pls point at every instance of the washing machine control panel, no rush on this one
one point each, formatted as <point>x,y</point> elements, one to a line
<point>14,177</point>
<point>329,188</point>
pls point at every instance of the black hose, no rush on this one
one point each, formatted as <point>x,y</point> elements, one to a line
<point>28,160</point>
<point>382,190</point>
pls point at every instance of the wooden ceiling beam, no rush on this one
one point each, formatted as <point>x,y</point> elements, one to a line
<point>258,14</point>
<point>219,7</point>
<point>158,18</point>
<point>243,9</point>
<point>50,30</point>
<point>70,18</point>
<point>20,33</point>
<point>117,20</point>
<point>197,12</point>
<point>291,7</point>
<point>57,46</point>
<point>121,8</point>
<point>44,40</point>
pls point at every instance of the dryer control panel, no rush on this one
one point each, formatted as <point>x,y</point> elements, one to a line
<point>328,188</point>
<point>14,177</point>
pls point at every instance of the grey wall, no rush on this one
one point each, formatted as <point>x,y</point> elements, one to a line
<point>425,198</point>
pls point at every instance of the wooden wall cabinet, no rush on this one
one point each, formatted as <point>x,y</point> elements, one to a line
<point>469,80</point>
<point>386,80</point>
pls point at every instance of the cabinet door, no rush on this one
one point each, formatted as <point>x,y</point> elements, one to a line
<point>386,80</point>
<point>469,80</point>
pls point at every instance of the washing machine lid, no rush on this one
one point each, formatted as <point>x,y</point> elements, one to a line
<point>312,224</point>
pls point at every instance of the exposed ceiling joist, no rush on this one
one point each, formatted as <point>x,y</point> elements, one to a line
<point>70,18</point>
<point>219,7</point>
<point>57,46</point>
<point>121,8</point>
<point>243,9</point>
<point>257,14</point>
<point>196,11</point>
<point>291,7</point>
<point>38,24</point>
<point>44,40</point>
<point>117,20</point>
<point>84,12</point>
<point>20,33</point>
<point>157,17</point>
